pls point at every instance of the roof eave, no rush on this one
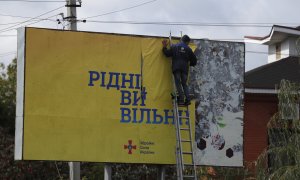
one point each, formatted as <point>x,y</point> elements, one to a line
<point>269,40</point>
<point>260,91</point>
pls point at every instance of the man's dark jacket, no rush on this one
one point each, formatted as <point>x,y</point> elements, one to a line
<point>182,56</point>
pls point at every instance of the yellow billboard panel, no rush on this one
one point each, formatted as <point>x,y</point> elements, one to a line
<point>97,97</point>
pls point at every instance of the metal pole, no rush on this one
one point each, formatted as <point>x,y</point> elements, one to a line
<point>74,170</point>
<point>107,172</point>
<point>161,172</point>
<point>72,19</point>
<point>71,14</point>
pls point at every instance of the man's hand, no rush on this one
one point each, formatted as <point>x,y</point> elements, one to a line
<point>165,43</point>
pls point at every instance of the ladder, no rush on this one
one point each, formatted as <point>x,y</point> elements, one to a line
<point>183,155</point>
<point>181,164</point>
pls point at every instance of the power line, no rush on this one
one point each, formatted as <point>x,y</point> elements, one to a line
<point>120,10</point>
<point>29,1</point>
<point>41,20</point>
<point>19,22</point>
<point>267,53</point>
<point>136,22</point>
<point>8,53</point>
<point>29,24</point>
<point>255,52</point>
<point>192,23</point>
<point>10,28</point>
<point>23,17</point>
<point>257,25</point>
<point>234,23</point>
<point>5,24</point>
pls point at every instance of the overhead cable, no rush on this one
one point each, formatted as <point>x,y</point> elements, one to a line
<point>186,24</point>
<point>38,1</point>
<point>24,17</point>
<point>120,10</point>
<point>10,28</point>
<point>8,53</point>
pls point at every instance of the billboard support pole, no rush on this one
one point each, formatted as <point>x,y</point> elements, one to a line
<point>74,167</point>
<point>161,172</point>
<point>107,171</point>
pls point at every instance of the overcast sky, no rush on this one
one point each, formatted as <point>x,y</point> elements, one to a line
<point>260,12</point>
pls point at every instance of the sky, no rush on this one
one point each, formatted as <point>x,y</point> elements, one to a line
<point>228,20</point>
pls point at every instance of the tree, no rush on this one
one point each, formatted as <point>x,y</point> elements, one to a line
<point>282,158</point>
<point>8,84</point>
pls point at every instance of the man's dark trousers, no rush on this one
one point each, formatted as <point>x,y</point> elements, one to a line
<point>181,82</point>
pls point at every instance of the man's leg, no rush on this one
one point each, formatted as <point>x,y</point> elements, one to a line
<point>177,76</point>
<point>184,78</point>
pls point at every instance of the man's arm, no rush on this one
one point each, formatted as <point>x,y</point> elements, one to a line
<point>166,51</point>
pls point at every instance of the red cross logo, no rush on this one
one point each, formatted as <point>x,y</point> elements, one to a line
<point>129,146</point>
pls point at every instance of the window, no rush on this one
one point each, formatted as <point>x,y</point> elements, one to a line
<point>278,51</point>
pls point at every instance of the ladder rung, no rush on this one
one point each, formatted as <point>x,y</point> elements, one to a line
<point>186,129</point>
<point>189,176</point>
<point>187,153</point>
<point>184,117</point>
<point>182,105</point>
<point>185,140</point>
<point>188,164</point>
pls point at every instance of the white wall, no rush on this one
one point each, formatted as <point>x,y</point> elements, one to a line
<point>288,48</point>
<point>285,50</point>
<point>272,53</point>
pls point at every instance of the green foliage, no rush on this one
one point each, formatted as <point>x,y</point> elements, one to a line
<point>11,169</point>
<point>92,171</point>
<point>281,160</point>
<point>134,171</point>
<point>8,95</point>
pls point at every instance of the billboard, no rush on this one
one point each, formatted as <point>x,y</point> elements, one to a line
<point>94,97</point>
<point>217,81</point>
<point>101,97</point>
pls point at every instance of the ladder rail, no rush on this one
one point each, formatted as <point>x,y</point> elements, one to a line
<point>179,156</point>
<point>179,159</point>
<point>179,137</point>
<point>181,166</point>
<point>192,146</point>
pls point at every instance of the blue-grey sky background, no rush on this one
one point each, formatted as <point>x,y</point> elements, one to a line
<point>202,12</point>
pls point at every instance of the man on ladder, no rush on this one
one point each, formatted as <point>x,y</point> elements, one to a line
<point>182,57</point>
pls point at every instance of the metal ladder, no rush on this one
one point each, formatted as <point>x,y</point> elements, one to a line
<point>181,164</point>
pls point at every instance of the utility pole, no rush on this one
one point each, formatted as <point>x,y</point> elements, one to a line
<point>72,19</point>
<point>71,14</point>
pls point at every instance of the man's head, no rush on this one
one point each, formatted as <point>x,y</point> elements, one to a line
<point>186,39</point>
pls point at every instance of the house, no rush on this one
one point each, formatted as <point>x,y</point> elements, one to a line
<point>261,101</point>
